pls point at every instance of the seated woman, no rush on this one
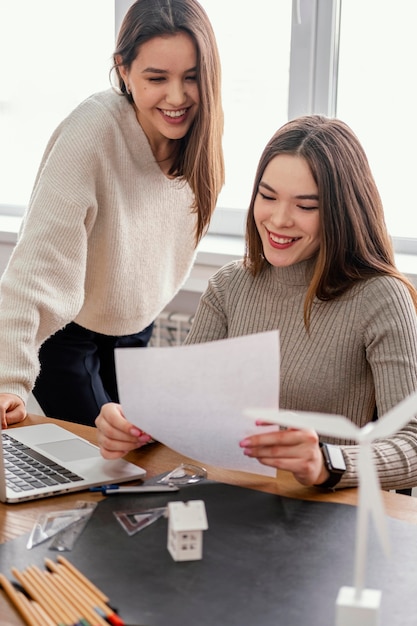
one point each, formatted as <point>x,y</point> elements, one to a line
<point>319,266</point>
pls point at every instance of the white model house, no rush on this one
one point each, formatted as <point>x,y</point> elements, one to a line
<point>186,522</point>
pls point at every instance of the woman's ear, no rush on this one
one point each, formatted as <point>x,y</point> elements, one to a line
<point>121,68</point>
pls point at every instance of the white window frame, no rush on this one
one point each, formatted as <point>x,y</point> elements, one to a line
<point>313,80</point>
<point>314,55</point>
<point>315,35</point>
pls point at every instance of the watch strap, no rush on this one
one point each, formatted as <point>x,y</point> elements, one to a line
<point>331,481</point>
<point>335,474</point>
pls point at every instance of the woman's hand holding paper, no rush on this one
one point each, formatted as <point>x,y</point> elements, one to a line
<point>117,436</point>
<point>294,450</point>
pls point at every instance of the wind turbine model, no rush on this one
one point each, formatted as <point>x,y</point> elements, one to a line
<point>356,606</point>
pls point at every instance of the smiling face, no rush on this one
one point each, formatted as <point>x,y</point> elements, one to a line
<point>163,82</point>
<point>286,211</point>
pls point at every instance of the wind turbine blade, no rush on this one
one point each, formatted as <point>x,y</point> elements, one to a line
<point>323,423</point>
<point>394,419</point>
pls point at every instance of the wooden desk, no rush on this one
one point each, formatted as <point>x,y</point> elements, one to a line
<point>18,519</point>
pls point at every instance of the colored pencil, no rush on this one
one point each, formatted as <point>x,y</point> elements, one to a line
<point>91,598</point>
<point>33,608</point>
<point>52,592</point>
<point>85,608</point>
<point>33,591</point>
<point>21,603</point>
<point>44,618</point>
<point>61,559</point>
<point>59,596</point>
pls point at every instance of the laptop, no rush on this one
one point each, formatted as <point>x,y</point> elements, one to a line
<point>46,460</point>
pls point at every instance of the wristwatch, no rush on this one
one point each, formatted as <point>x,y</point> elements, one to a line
<point>334,462</point>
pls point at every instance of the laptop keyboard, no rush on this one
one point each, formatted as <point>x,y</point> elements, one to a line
<point>27,469</point>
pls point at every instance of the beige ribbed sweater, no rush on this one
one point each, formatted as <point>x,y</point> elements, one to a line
<point>107,240</point>
<point>361,351</point>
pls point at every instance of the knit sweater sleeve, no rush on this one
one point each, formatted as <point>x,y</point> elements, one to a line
<point>210,321</point>
<point>42,288</point>
<point>390,342</point>
<point>378,336</point>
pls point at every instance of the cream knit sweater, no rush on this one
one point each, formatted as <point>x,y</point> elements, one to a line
<point>107,240</point>
<point>361,352</point>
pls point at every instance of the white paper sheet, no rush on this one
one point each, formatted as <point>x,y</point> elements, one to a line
<point>192,398</point>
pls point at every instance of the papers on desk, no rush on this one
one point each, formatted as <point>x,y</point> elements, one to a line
<point>192,398</point>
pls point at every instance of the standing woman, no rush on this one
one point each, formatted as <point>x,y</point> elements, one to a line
<point>124,193</point>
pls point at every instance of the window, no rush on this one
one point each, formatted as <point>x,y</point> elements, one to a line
<point>376,97</point>
<point>255,54</point>
<point>54,54</point>
<point>348,58</point>
<point>278,62</point>
<point>50,76</point>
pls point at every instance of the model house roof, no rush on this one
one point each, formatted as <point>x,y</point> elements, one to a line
<point>189,515</point>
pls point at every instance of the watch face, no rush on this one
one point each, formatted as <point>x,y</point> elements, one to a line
<point>336,458</point>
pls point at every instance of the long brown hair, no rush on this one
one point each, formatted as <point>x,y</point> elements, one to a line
<point>354,241</point>
<point>197,157</point>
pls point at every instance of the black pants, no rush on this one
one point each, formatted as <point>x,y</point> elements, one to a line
<point>78,372</point>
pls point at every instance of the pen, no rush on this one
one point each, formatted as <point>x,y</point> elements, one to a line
<point>115,489</point>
